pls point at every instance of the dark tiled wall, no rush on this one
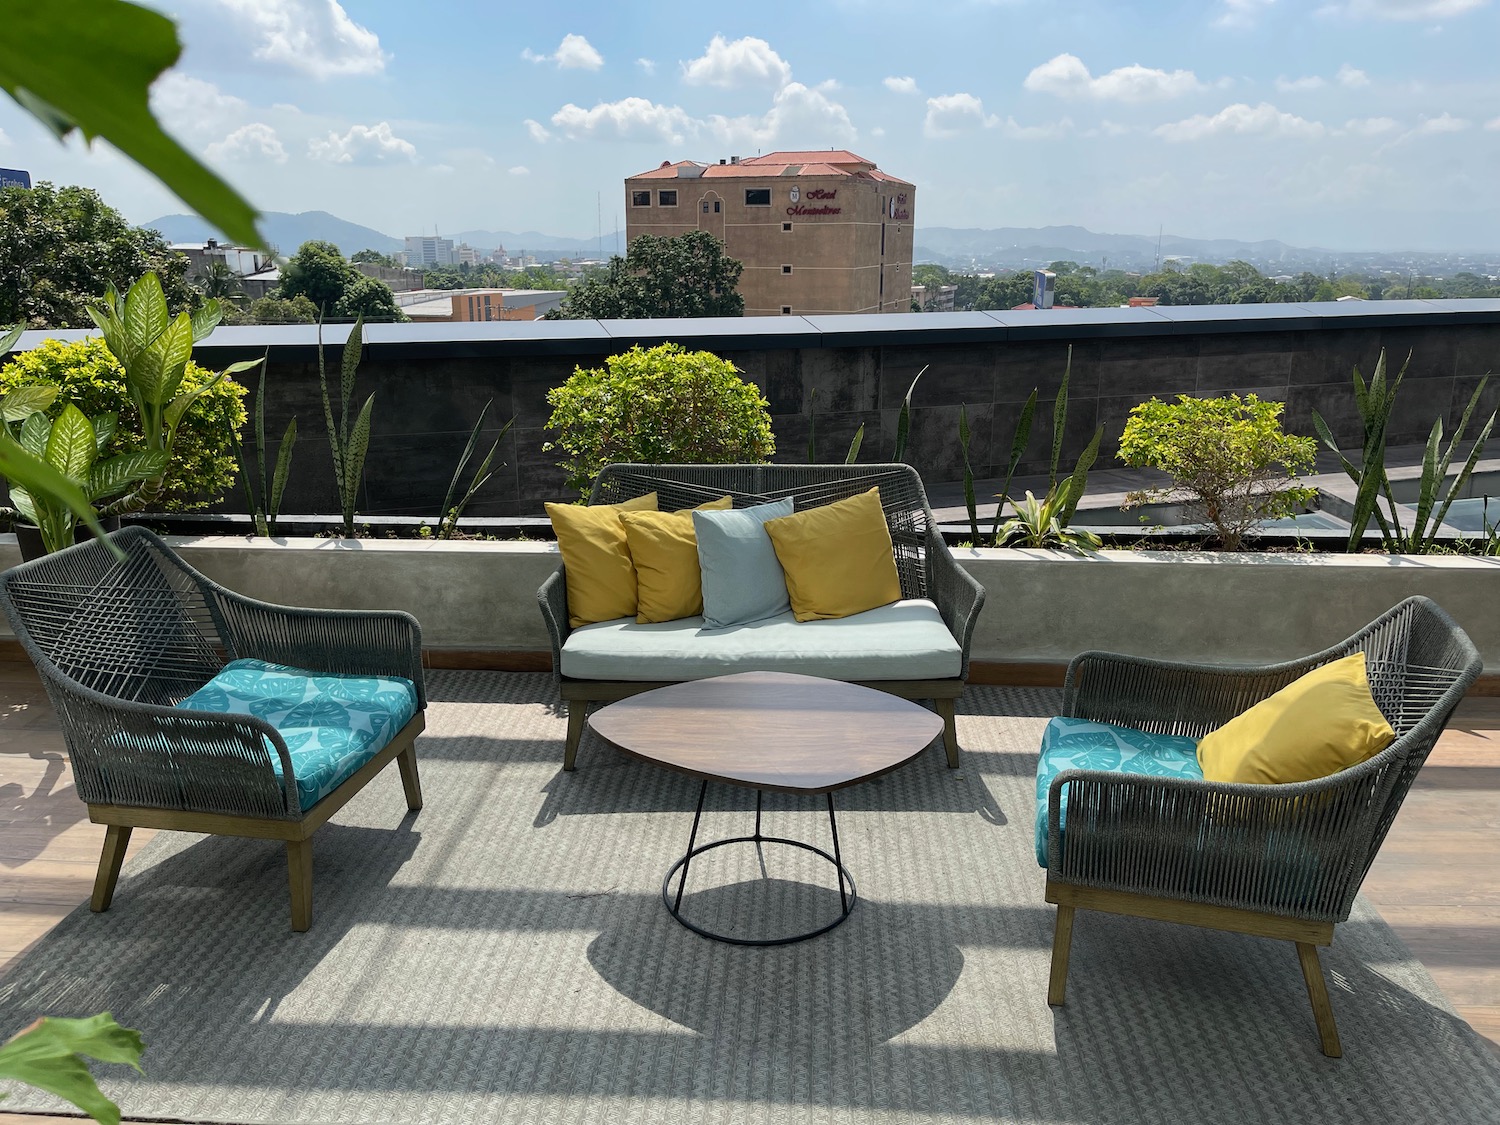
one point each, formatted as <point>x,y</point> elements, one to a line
<point>425,407</point>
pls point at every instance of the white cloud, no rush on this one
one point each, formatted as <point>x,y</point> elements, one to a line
<point>1241,120</point>
<point>648,65</point>
<point>1242,13</point>
<point>1445,123</point>
<point>745,62</point>
<point>626,119</point>
<point>195,108</point>
<point>951,114</point>
<point>879,130</point>
<point>316,37</point>
<point>1408,9</point>
<point>1296,85</point>
<point>1012,130</point>
<point>1352,77</point>
<point>1067,76</point>
<point>362,144</point>
<point>1493,124</point>
<point>573,53</point>
<point>538,131</point>
<point>255,141</point>
<point>520,170</point>
<point>1371,126</point>
<point>806,114</point>
<point>902,85</point>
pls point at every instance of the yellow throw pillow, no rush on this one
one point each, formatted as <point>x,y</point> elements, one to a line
<point>600,575</point>
<point>837,558</point>
<point>1315,726</point>
<point>669,584</point>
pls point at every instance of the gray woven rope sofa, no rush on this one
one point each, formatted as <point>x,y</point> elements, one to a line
<point>1280,861</point>
<point>940,602</point>
<point>187,706</point>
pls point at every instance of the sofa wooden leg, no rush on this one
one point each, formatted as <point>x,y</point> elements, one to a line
<point>1062,947</point>
<point>300,875</point>
<point>945,709</point>
<point>578,713</point>
<point>1317,992</point>
<point>116,840</point>
<point>406,761</point>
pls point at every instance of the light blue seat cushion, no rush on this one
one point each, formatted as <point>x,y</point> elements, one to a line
<point>905,640</point>
<point>332,724</point>
<point>1078,744</point>
<point>742,577</point>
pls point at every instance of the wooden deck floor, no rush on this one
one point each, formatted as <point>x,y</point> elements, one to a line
<point>1437,881</point>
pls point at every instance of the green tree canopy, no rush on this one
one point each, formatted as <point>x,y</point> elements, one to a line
<point>373,257</point>
<point>687,275</point>
<point>319,272</point>
<point>60,247</point>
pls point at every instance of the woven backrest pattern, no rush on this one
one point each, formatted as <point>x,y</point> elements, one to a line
<point>685,486</point>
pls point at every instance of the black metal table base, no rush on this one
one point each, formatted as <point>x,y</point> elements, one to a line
<point>674,901</point>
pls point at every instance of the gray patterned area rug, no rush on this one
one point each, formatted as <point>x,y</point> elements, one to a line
<point>504,956</point>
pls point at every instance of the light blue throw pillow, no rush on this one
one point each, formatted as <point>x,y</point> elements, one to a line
<point>742,578</point>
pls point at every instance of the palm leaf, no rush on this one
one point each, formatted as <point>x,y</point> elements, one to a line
<point>903,420</point>
<point>335,444</point>
<point>359,444</point>
<point>279,474</point>
<point>1072,491</point>
<point>1431,480</point>
<point>349,366</point>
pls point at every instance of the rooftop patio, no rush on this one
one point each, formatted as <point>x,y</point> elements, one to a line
<point>504,954</point>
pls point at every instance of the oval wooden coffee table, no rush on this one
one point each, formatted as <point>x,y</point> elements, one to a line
<point>768,730</point>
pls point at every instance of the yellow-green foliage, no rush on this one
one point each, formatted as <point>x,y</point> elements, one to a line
<point>1229,459</point>
<point>203,465</point>
<point>661,405</point>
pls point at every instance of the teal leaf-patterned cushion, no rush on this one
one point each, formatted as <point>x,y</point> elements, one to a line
<point>1078,744</point>
<point>332,724</point>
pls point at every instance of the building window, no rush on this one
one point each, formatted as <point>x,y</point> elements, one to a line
<point>786,310</point>
<point>705,207</point>
<point>786,227</point>
<point>758,197</point>
<point>786,269</point>
<point>716,206</point>
<point>640,199</point>
<point>666,199</point>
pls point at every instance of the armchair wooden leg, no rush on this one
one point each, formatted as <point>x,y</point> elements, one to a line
<point>1062,946</point>
<point>299,872</point>
<point>945,709</point>
<point>406,761</point>
<point>578,713</point>
<point>116,840</point>
<point>1317,992</point>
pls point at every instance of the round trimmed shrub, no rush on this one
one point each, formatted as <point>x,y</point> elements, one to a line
<point>203,464</point>
<point>659,405</point>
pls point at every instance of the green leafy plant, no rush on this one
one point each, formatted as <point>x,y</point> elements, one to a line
<point>88,65</point>
<point>970,503</point>
<point>663,404</point>
<point>25,470</point>
<point>349,444</point>
<point>1231,463</point>
<point>453,503</point>
<point>1061,502</point>
<point>1044,523</point>
<point>1376,402</point>
<point>71,443</point>
<point>903,419</point>
<point>154,349</point>
<point>50,1056</point>
<point>86,373</point>
<point>263,503</point>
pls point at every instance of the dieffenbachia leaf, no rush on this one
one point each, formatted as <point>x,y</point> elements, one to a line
<point>88,65</point>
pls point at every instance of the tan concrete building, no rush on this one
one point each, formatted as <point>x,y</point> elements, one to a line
<point>818,232</point>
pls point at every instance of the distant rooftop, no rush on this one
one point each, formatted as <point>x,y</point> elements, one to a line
<point>800,162</point>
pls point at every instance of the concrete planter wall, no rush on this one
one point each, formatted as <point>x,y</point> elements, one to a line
<point>1044,606</point>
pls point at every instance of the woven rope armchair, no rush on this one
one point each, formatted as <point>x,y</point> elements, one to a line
<point>924,564</point>
<point>1277,861</point>
<point>119,643</point>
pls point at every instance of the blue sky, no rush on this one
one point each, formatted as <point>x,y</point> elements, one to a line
<point>1351,124</point>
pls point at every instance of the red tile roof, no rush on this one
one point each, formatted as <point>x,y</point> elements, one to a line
<point>813,162</point>
<point>810,156</point>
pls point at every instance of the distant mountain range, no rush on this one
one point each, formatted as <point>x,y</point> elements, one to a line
<point>957,248</point>
<point>286,232</point>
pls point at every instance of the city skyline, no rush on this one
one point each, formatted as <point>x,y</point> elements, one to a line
<point>1355,125</point>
